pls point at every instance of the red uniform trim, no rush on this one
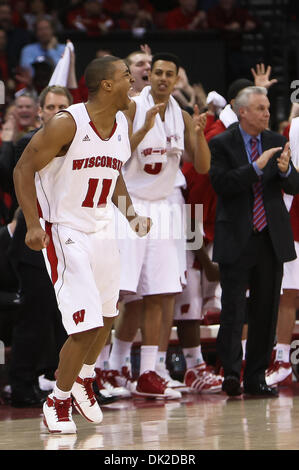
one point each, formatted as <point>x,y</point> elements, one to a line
<point>51,254</point>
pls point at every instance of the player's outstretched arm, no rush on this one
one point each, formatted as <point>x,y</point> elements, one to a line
<point>43,147</point>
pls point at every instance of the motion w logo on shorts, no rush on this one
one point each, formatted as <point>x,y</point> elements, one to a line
<point>78,317</point>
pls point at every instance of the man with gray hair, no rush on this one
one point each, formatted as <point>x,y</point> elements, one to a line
<point>250,167</point>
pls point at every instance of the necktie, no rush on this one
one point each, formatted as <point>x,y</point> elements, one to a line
<point>259,213</point>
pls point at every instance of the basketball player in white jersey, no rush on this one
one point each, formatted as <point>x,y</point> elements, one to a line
<point>161,132</point>
<point>72,168</point>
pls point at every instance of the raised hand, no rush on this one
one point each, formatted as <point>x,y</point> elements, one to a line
<point>262,76</point>
<point>151,115</point>
<point>266,156</point>
<point>283,160</point>
<point>200,120</point>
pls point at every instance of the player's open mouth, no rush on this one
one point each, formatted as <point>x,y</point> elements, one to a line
<point>145,78</point>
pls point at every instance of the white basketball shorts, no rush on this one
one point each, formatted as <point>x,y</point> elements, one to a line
<point>85,271</point>
<point>149,265</point>
<point>290,278</point>
<point>199,296</point>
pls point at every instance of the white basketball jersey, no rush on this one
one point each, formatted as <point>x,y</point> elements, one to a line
<point>152,170</point>
<point>75,190</point>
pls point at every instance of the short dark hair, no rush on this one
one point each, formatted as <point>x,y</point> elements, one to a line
<point>167,56</point>
<point>97,70</point>
<point>57,90</point>
<point>236,86</point>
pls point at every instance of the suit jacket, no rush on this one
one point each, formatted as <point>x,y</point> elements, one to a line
<point>232,177</point>
<point>20,252</point>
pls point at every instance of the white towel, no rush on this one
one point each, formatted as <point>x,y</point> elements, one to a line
<point>61,71</point>
<point>228,116</point>
<point>218,101</point>
<point>173,127</point>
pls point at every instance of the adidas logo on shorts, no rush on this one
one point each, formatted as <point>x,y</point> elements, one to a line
<point>69,241</point>
<point>86,138</point>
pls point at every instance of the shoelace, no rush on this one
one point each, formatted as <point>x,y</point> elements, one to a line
<point>87,384</point>
<point>62,409</point>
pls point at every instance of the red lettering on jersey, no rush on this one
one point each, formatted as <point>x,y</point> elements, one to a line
<point>78,317</point>
<point>92,187</point>
<point>103,161</point>
<point>104,194</point>
<point>147,151</point>
<point>77,164</point>
<point>91,162</point>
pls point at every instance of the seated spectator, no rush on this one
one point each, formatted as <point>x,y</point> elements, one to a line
<point>232,21</point>
<point>228,17</point>
<point>16,37</point>
<point>132,17</point>
<point>113,8</point>
<point>43,68</point>
<point>90,18</point>
<point>38,9</point>
<point>186,16</point>
<point>46,45</point>
<point>6,74</point>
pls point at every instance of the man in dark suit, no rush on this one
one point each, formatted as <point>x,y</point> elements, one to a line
<point>250,167</point>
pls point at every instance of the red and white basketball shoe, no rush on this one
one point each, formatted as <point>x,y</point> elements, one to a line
<point>279,374</point>
<point>85,401</point>
<point>58,415</point>
<point>151,385</point>
<point>201,379</point>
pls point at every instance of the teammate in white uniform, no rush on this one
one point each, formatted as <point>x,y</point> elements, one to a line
<point>161,132</point>
<point>73,167</point>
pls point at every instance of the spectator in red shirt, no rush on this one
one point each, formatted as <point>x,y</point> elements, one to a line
<point>90,18</point>
<point>132,17</point>
<point>226,16</point>
<point>186,16</point>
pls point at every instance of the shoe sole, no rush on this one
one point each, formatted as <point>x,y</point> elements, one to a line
<point>79,409</point>
<point>153,395</point>
<point>206,392</point>
<point>56,431</point>
<point>231,388</point>
<point>287,381</point>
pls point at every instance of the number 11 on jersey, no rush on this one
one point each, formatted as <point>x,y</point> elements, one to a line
<point>92,187</point>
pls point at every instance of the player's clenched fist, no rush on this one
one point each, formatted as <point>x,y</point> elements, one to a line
<point>37,239</point>
<point>141,225</point>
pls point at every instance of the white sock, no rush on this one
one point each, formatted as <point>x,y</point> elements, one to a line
<point>87,371</point>
<point>161,360</point>
<point>193,356</point>
<point>60,394</point>
<point>244,348</point>
<point>148,355</point>
<point>282,352</point>
<point>103,358</point>
<point>120,355</point>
